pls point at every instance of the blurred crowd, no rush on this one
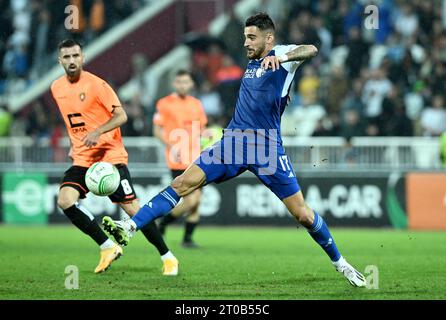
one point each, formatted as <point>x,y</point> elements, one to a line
<point>384,81</point>
<point>31,30</point>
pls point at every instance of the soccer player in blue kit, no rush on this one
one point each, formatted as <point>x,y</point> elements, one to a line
<point>251,142</point>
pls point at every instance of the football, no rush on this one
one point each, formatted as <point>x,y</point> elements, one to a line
<point>102,178</point>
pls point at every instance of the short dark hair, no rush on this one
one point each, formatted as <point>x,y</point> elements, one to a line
<point>260,20</point>
<point>68,43</point>
<point>183,72</point>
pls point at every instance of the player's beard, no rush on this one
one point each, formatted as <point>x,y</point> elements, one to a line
<point>256,54</point>
<point>73,73</point>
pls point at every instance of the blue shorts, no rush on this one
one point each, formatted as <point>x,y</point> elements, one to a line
<point>229,157</point>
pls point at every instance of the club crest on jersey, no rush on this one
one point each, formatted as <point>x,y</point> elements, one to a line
<point>260,72</point>
<point>82,96</point>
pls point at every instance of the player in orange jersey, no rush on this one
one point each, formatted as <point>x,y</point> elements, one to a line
<point>93,114</point>
<point>181,115</point>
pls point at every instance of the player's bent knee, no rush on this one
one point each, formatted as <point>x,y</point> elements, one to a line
<point>191,202</point>
<point>195,199</point>
<point>184,185</point>
<point>64,202</point>
<point>178,185</point>
<point>193,217</point>
<point>304,215</point>
<point>194,204</point>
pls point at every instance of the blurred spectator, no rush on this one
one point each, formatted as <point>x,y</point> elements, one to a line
<point>393,120</point>
<point>353,101</point>
<point>228,91</point>
<point>325,37</point>
<point>375,89</point>
<point>350,16</point>
<point>438,78</point>
<point>228,79</point>
<point>406,21</point>
<point>277,10</point>
<point>234,39</point>
<point>91,19</point>
<point>229,71</point>
<point>309,83</point>
<point>136,124</point>
<point>433,119</point>
<point>57,29</point>
<point>337,90</point>
<point>37,125</point>
<point>357,52</point>
<point>215,56</point>
<point>395,48</point>
<point>117,10</point>
<point>352,125</point>
<point>41,27</point>
<point>328,125</point>
<point>414,102</point>
<point>301,30</point>
<point>402,126</point>
<point>15,61</point>
<point>146,87</point>
<point>372,129</point>
<point>303,120</point>
<point>210,99</point>
<point>334,19</point>
<point>426,16</point>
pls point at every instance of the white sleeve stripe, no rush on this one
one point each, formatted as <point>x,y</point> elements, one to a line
<point>289,78</point>
<point>286,86</point>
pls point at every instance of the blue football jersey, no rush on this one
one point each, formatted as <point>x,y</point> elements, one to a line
<point>263,94</point>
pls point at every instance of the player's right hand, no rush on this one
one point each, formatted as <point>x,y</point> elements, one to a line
<point>91,139</point>
<point>272,61</point>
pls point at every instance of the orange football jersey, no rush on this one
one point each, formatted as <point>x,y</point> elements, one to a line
<point>86,105</point>
<point>182,120</point>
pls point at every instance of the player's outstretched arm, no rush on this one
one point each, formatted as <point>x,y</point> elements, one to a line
<point>118,119</point>
<point>300,53</point>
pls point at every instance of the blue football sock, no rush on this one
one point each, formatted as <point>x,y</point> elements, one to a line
<point>320,233</point>
<point>159,206</point>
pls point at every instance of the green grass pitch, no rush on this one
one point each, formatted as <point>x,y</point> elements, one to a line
<point>233,263</point>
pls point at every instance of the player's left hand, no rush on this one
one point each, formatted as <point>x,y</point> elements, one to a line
<point>270,61</point>
<point>91,139</point>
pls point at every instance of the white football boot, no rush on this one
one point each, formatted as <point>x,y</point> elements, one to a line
<point>353,276</point>
<point>121,230</point>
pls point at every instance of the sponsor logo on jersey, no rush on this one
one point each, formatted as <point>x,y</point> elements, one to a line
<point>260,72</point>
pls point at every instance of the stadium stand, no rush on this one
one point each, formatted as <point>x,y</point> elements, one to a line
<point>385,82</point>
